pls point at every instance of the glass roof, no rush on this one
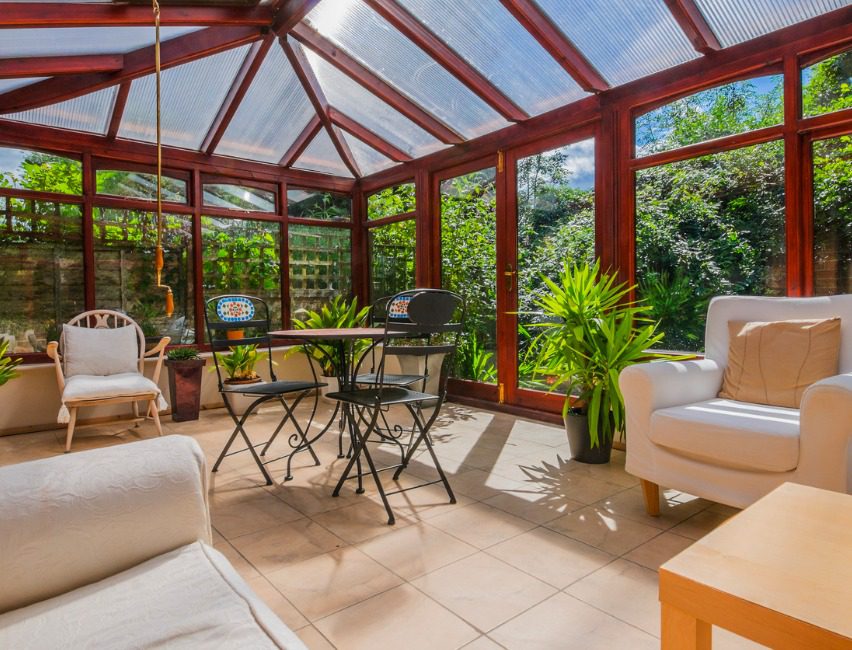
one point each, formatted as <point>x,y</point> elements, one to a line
<point>321,156</point>
<point>369,160</point>
<point>191,96</point>
<point>85,113</point>
<point>67,41</point>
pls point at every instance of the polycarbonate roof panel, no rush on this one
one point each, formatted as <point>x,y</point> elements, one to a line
<point>368,159</point>
<point>623,39</point>
<point>89,113</point>
<point>67,41</point>
<point>191,96</point>
<point>370,39</point>
<point>362,106</point>
<point>272,114</point>
<point>321,156</point>
<point>11,84</point>
<point>735,21</point>
<point>491,40</point>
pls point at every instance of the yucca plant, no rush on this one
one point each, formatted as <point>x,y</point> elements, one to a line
<point>336,314</point>
<point>239,364</point>
<point>593,332</point>
<point>7,364</point>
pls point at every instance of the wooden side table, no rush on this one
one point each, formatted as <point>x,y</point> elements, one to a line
<point>779,573</point>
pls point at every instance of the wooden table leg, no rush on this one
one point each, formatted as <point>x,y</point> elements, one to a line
<point>681,631</point>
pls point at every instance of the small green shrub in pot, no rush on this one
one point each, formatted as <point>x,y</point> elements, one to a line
<point>239,364</point>
<point>338,313</point>
<point>184,366</point>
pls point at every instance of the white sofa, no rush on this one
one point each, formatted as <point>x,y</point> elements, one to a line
<point>111,549</point>
<point>681,435</point>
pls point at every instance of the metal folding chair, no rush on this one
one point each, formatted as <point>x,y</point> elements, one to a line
<point>432,325</point>
<point>234,320</point>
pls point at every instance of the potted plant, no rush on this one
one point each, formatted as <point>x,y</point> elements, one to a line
<point>592,333</point>
<point>7,364</point>
<point>184,367</point>
<point>239,366</point>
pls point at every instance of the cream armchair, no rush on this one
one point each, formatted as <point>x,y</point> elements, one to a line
<point>99,359</point>
<point>681,435</point>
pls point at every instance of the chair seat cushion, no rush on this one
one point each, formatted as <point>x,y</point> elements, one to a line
<point>389,380</point>
<point>730,434</point>
<point>271,387</point>
<point>92,387</point>
<point>188,598</point>
<point>384,396</point>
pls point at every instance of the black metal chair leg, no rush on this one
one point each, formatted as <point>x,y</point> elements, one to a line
<point>375,473</point>
<point>225,450</point>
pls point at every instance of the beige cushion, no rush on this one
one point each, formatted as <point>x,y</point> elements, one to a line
<point>126,384</point>
<point>774,362</point>
<point>100,351</point>
<point>730,434</point>
<point>188,598</point>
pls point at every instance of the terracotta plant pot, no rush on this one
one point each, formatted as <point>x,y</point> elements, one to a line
<point>185,388</point>
<point>235,335</point>
<point>579,443</point>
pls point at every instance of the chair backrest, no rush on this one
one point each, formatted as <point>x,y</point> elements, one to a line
<point>236,319</point>
<point>105,319</point>
<point>423,323</point>
<point>756,308</point>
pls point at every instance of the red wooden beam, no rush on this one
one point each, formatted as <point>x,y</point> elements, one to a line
<point>301,142</point>
<point>557,44</point>
<point>137,63</point>
<point>118,110</point>
<point>48,66</point>
<point>371,138</point>
<point>290,12</point>
<point>317,97</point>
<point>694,25</point>
<point>456,65</point>
<point>372,82</point>
<point>66,14</point>
<point>239,88</point>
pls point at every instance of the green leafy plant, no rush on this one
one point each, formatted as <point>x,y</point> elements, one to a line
<point>7,364</point>
<point>593,334</point>
<point>336,314</point>
<point>476,362</point>
<point>239,364</point>
<point>184,353</point>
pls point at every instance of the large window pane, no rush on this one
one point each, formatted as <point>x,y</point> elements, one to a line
<point>320,265</point>
<point>556,225</point>
<point>827,85</point>
<point>833,215</point>
<point>41,270</point>
<point>392,258</point>
<point>41,172</point>
<point>317,204</point>
<point>125,274</point>
<point>725,110</point>
<point>238,197</point>
<point>139,185</point>
<point>391,201</point>
<point>469,267</point>
<point>243,256</point>
<point>709,226</point>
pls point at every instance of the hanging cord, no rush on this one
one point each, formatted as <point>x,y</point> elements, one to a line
<point>160,263</point>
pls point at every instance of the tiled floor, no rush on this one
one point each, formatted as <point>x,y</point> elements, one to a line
<point>539,551</point>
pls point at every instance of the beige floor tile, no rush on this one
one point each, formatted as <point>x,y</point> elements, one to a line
<point>533,504</point>
<point>550,556</point>
<point>313,638</point>
<point>414,550</point>
<point>400,618</point>
<point>294,541</point>
<point>598,528</point>
<point>361,521</point>
<point>483,643</point>
<point>273,598</point>
<point>675,507</point>
<point>700,524</point>
<point>564,623</point>
<point>658,550</point>
<point>421,502</point>
<point>477,484</point>
<point>329,582</point>
<point>483,590</point>
<point>481,525</point>
<point>242,566</point>
<point>558,482</point>
<point>241,514</point>
<point>612,472</point>
<point>624,590</point>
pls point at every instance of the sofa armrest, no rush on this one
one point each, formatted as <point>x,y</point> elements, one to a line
<point>826,433</point>
<point>74,519</point>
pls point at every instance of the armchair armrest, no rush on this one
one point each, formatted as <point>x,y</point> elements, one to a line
<point>158,350</point>
<point>53,353</point>
<point>662,384</point>
<point>825,433</point>
<point>72,520</point>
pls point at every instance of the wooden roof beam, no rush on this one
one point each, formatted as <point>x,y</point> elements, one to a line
<point>542,29</point>
<point>288,13</point>
<point>694,25</point>
<point>239,88</point>
<point>317,97</point>
<point>449,59</point>
<point>49,66</point>
<point>137,63</point>
<point>372,82</point>
<point>301,143</point>
<point>371,138</point>
<point>66,14</point>
<point>118,110</point>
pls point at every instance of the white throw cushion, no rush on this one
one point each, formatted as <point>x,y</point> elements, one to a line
<point>188,598</point>
<point>100,351</point>
<point>730,434</point>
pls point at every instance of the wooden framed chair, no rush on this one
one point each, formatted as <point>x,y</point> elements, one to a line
<point>99,359</point>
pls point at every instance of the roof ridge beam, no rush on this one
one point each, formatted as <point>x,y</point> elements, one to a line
<point>373,139</point>
<point>64,14</point>
<point>137,63</point>
<point>317,97</point>
<point>239,87</point>
<point>448,58</point>
<point>49,66</point>
<point>559,46</point>
<point>372,82</point>
<point>301,142</point>
<point>288,13</point>
<point>694,25</point>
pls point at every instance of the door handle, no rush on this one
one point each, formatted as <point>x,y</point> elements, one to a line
<point>509,274</point>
